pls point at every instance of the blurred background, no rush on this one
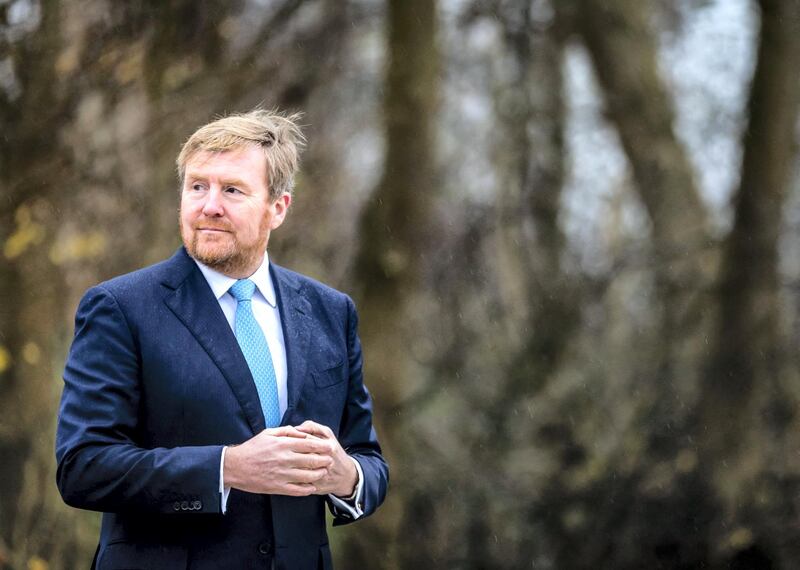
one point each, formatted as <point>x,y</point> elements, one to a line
<point>571,227</point>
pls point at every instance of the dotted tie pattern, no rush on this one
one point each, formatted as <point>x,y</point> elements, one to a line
<point>256,351</point>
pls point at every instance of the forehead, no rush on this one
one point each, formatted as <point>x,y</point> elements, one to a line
<point>246,163</point>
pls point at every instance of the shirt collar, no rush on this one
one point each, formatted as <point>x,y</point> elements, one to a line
<point>220,283</point>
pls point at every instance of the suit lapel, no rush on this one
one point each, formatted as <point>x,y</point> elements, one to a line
<point>193,302</point>
<point>295,311</point>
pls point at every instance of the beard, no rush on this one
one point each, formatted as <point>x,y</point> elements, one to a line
<point>226,255</point>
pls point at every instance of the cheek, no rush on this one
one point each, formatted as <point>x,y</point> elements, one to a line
<point>256,223</point>
<point>184,217</point>
<point>254,230</point>
<point>188,210</point>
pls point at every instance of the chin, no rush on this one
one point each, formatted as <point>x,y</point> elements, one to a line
<point>210,254</point>
<point>228,257</point>
<point>213,257</point>
<point>232,263</point>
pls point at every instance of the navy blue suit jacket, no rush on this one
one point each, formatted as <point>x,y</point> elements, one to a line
<point>156,385</point>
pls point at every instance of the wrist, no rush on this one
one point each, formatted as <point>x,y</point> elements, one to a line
<point>230,466</point>
<point>348,490</point>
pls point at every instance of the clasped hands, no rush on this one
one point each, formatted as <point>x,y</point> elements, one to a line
<point>297,461</point>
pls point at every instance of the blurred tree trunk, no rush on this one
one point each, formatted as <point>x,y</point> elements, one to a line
<point>531,240</point>
<point>623,50</point>
<point>18,231</point>
<point>530,247</point>
<point>185,36</point>
<point>746,372</point>
<point>34,182</point>
<point>749,357</point>
<point>394,236</point>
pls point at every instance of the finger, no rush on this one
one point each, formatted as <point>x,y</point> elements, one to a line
<point>285,431</point>
<point>319,446</point>
<point>294,460</point>
<point>315,429</point>
<point>308,461</point>
<point>306,476</point>
<point>311,461</point>
<point>297,490</point>
<point>312,435</point>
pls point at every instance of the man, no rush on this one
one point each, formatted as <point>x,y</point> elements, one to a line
<point>214,403</point>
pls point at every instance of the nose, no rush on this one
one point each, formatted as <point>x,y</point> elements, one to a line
<point>213,204</point>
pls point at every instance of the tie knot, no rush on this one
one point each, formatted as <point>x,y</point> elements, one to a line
<point>243,290</point>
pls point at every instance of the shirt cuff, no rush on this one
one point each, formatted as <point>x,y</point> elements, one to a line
<point>223,490</point>
<point>352,506</point>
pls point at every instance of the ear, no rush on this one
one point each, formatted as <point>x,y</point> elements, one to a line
<point>280,208</point>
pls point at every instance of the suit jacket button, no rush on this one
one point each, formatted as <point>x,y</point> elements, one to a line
<point>197,505</point>
<point>184,505</point>
<point>265,547</point>
<point>176,506</point>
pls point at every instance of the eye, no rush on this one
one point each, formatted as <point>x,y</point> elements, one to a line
<point>197,187</point>
<point>232,190</point>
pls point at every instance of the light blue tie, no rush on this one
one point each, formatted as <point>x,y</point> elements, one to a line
<point>256,351</point>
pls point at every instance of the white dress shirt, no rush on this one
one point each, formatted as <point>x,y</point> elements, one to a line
<point>265,310</point>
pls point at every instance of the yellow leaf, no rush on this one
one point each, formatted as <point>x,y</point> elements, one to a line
<point>741,538</point>
<point>27,233</point>
<point>68,60</point>
<point>23,215</point>
<point>130,67</point>
<point>77,247</point>
<point>36,563</point>
<point>5,359</point>
<point>31,353</point>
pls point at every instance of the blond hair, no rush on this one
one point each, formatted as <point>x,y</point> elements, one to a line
<point>278,135</point>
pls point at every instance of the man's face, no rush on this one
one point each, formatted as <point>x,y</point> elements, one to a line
<point>226,214</point>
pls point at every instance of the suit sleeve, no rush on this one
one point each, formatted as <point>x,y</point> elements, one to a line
<point>356,433</point>
<point>101,463</point>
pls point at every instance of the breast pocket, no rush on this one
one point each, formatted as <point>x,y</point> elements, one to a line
<point>329,375</point>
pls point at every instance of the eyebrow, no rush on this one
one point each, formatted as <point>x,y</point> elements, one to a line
<point>235,182</point>
<point>225,182</point>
